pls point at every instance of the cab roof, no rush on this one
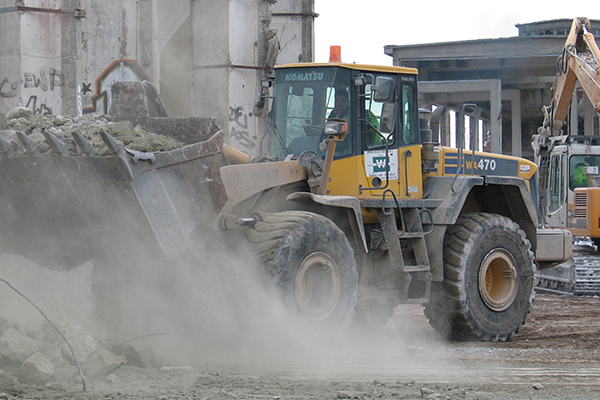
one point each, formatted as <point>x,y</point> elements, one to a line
<point>361,67</point>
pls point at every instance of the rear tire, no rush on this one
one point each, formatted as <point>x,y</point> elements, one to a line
<point>487,290</point>
<point>310,263</point>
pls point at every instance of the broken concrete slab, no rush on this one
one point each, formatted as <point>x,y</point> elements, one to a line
<point>84,344</point>
<point>102,363</point>
<point>15,347</point>
<point>36,370</point>
<point>66,373</point>
<point>19,112</point>
<point>8,382</point>
<point>132,355</point>
<point>53,354</point>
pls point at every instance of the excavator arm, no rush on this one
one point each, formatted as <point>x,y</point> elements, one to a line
<point>579,61</point>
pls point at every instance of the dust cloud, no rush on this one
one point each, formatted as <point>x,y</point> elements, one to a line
<point>213,310</point>
<point>209,306</point>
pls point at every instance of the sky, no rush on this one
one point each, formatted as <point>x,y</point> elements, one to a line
<point>363,28</point>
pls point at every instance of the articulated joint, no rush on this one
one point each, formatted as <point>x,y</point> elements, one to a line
<point>231,222</point>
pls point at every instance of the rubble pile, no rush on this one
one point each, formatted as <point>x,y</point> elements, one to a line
<point>41,357</point>
<point>21,119</point>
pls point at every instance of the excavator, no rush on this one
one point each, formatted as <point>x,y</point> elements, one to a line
<point>569,162</point>
<point>352,208</point>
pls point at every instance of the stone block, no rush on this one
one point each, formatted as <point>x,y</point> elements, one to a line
<point>102,363</point>
<point>15,348</point>
<point>84,343</point>
<point>36,370</point>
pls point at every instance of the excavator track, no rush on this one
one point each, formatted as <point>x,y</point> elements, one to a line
<point>580,277</point>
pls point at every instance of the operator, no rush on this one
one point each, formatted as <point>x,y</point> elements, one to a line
<point>580,179</point>
<point>341,108</point>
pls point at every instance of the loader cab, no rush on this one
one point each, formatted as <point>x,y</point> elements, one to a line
<point>382,106</point>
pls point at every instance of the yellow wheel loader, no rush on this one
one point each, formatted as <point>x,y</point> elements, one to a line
<point>361,210</point>
<point>352,207</point>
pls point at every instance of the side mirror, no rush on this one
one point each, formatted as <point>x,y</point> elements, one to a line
<point>388,118</point>
<point>384,89</point>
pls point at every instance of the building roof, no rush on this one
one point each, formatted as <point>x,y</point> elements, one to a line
<point>532,53</point>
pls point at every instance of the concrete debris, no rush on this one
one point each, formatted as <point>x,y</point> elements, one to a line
<point>84,344</point>
<point>6,324</point>
<point>205,380</point>
<point>7,381</point>
<point>66,373</point>
<point>47,360</point>
<point>15,348</point>
<point>19,112</point>
<point>53,354</point>
<point>21,119</point>
<point>538,386</point>
<point>102,363</point>
<point>36,370</point>
<point>132,355</point>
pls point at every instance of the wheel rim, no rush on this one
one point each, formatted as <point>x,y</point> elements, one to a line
<point>498,280</point>
<point>317,286</point>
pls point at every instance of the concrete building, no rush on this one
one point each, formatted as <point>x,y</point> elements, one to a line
<point>510,79</point>
<point>205,57</point>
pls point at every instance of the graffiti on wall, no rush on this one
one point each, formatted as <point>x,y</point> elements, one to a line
<point>117,71</point>
<point>238,121</point>
<point>37,85</point>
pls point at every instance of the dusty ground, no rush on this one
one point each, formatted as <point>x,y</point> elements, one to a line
<point>556,356</point>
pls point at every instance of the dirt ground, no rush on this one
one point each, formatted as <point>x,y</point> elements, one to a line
<point>555,356</point>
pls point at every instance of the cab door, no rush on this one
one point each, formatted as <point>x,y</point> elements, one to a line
<point>557,190</point>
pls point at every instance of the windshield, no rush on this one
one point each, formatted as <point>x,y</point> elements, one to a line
<point>304,99</point>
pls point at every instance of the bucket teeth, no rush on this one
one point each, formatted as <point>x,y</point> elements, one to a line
<point>57,145</point>
<point>113,145</point>
<point>30,145</point>
<point>5,147</point>
<point>84,145</point>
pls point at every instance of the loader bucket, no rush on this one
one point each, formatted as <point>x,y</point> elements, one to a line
<point>63,210</point>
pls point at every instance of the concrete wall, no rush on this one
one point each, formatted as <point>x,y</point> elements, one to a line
<point>205,57</point>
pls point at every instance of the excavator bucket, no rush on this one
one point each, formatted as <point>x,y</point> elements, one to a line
<point>61,209</point>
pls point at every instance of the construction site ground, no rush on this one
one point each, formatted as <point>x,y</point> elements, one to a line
<point>555,356</point>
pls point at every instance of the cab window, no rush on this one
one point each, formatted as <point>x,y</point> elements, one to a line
<point>370,121</point>
<point>410,131</point>
<point>556,184</point>
<point>577,164</point>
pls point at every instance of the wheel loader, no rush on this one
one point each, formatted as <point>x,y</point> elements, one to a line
<point>352,207</point>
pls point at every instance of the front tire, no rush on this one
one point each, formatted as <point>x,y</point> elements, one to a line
<point>488,284</point>
<point>310,262</point>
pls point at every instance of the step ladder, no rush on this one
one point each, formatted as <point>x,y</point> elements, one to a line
<point>407,233</point>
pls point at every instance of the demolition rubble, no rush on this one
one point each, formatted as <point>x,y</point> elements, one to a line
<point>21,119</point>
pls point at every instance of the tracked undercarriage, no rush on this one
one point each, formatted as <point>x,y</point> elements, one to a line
<point>579,276</point>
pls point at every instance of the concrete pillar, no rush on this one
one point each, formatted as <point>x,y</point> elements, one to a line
<point>308,40</point>
<point>210,55</point>
<point>496,115</point>
<point>67,76</point>
<point>514,96</point>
